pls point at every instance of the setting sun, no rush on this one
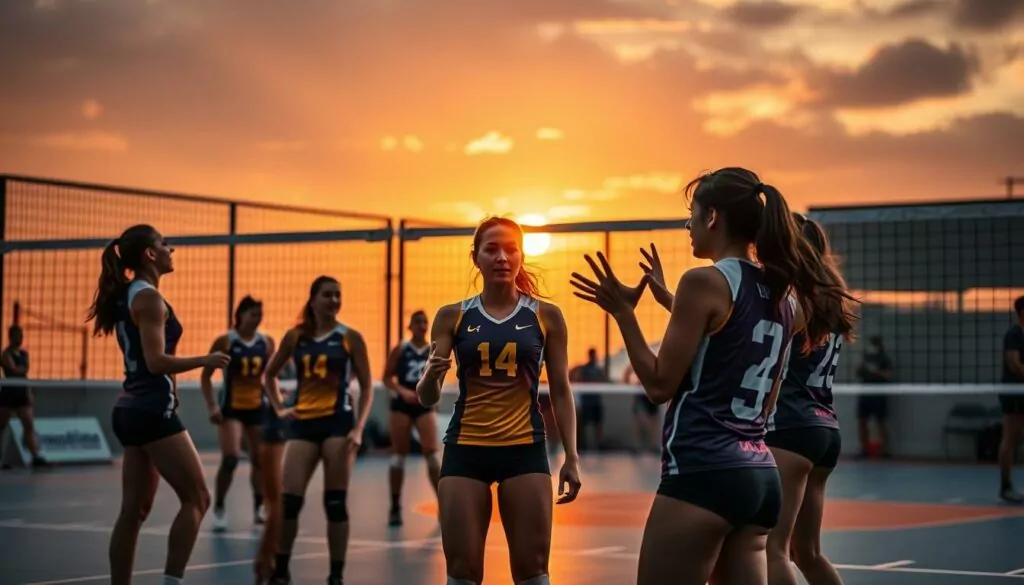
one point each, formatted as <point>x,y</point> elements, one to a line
<point>535,244</point>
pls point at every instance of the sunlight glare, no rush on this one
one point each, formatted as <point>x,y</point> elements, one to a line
<point>535,244</point>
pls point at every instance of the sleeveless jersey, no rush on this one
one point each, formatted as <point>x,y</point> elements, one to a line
<point>805,399</point>
<point>498,364</point>
<point>243,378</point>
<point>20,359</point>
<point>717,418</point>
<point>143,389</point>
<point>411,363</point>
<point>324,368</point>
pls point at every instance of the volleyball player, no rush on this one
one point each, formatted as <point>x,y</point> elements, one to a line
<point>145,419</point>
<point>273,436</point>
<point>404,368</point>
<point>241,405</point>
<point>719,366</point>
<point>326,354</point>
<point>803,434</point>
<point>500,339</point>
<point>17,400</point>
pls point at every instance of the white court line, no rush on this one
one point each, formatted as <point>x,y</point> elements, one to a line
<point>893,564</point>
<point>368,546</point>
<point>597,552</point>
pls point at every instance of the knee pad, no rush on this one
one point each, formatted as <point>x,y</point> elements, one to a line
<point>397,461</point>
<point>292,505</point>
<point>454,581</point>
<point>335,506</point>
<point>229,463</point>
<point>538,580</point>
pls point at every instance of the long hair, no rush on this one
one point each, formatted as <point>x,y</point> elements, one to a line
<point>244,306</point>
<point>307,319</point>
<point>125,253</point>
<point>814,235</point>
<point>756,213</point>
<point>527,281</point>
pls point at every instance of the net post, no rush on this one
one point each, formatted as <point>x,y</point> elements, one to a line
<point>388,278</point>
<point>232,230</point>
<point>3,237</point>
<point>607,318</point>
<point>401,278</point>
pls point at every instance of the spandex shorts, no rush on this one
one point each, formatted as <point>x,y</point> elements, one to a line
<point>494,464</point>
<point>413,411</point>
<point>250,417</point>
<point>134,427</point>
<point>14,398</point>
<point>1012,403</point>
<point>819,445</point>
<point>743,496</point>
<point>273,429</point>
<point>318,430</point>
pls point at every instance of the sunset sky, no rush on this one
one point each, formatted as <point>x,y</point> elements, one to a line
<point>570,109</point>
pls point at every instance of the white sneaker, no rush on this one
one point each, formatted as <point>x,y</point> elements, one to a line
<point>220,520</point>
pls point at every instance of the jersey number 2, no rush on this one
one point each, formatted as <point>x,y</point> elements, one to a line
<point>506,359</point>
<point>758,378</point>
<point>319,367</point>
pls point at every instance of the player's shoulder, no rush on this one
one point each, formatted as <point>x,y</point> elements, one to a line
<point>703,279</point>
<point>292,336</point>
<point>449,313</point>
<point>347,332</point>
<point>549,313</point>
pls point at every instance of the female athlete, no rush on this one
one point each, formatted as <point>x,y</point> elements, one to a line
<point>803,434</point>
<point>500,338</point>
<point>404,368</point>
<point>241,404</point>
<point>324,427</point>
<point>727,339</point>
<point>145,418</point>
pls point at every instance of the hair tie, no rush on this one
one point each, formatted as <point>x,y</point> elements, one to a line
<point>759,188</point>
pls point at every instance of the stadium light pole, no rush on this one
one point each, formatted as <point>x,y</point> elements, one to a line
<point>1010,182</point>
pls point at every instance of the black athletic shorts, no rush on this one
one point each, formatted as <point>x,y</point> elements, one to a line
<point>1012,403</point>
<point>873,406</point>
<point>318,430</point>
<point>250,417</point>
<point>819,445</point>
<point>413,411</point>
<point>14,397</point>
<point>643,404</point>
<point>591,411</point>
<point>135,427</point>
<point>742,495</point>
<point>272,428</point>
<point>494,464</point>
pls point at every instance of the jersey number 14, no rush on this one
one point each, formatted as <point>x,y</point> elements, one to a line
<point>506,359</point>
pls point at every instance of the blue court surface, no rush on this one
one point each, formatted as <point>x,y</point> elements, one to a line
<point>887,523</point>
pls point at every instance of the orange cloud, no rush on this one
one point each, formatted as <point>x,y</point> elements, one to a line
<point>85,141</point>
<point>491,143</point>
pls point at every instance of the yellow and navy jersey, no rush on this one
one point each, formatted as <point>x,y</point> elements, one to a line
<point>243,377</point>
<point>498,363</point>
<point>324,368</point>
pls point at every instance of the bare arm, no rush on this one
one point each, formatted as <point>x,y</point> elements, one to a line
<point>206,378</point>
<point>442,338</point>
<point>361,368</point>
<point>556,360</point>
<point>1013,344</point>
<point>390,378</point>
<point>701,297</point>
<point>150,313</point>
<point>277,361</point>
<point>9,365</point>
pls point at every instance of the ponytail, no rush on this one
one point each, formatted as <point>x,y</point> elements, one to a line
<point>792,263</point>
<point>528,282</point>
<point>110,290</point>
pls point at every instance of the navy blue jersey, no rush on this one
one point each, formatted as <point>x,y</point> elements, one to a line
<point>411,362</point>
<point>324,371</point>
<point>143,389</point>
<point>243,377</point>
<point>1013,341</point>
<point>805,399</point>
<point>20,359</point>
<point>717,418</point>
<point>498,364</point>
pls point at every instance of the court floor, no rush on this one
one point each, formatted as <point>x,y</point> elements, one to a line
<point>887,523</point>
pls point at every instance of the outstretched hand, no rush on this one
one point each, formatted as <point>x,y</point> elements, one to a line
<point>608,292</point>
<point>655,275</point>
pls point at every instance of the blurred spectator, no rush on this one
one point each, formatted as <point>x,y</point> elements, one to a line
<point>591,406</point>
<point>875,368</point>
<point>1013,404</point>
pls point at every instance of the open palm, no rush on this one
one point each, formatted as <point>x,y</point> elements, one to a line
<point>607,292</point>
<point>655,276</point>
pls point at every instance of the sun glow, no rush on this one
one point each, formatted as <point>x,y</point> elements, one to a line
<point>537,243</point>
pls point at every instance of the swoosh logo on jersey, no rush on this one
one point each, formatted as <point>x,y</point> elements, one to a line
<point>521,327</point>
<point>471,329</point>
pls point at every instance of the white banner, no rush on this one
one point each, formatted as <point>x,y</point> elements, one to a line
<point>63,440</point>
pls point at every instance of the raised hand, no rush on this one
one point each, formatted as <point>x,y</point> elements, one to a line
<point>437,366</point>
<point>608,292</point>
<point>655,276</point>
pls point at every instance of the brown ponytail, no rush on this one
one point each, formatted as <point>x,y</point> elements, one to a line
<point>124,253</point>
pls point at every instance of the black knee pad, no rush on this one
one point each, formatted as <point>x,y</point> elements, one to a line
<point>335,506</point>
<point>292,505</point>
<point>229,463</point>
